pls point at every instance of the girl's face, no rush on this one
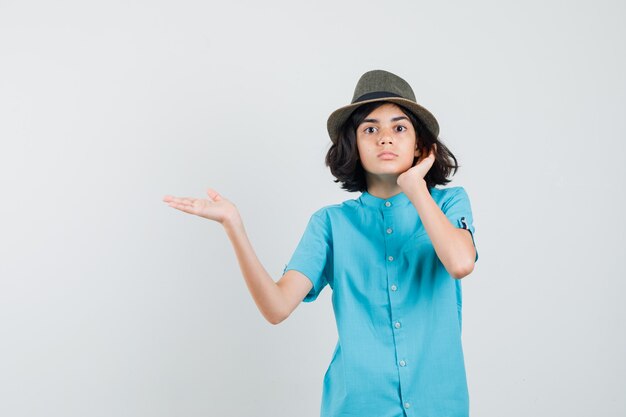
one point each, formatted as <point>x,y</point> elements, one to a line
<point>386,129</point>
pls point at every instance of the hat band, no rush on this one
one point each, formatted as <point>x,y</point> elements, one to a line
<point>376,94</point>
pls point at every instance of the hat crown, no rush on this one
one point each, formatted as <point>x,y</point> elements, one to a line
<point>381,81</point>
<point>380,85</point>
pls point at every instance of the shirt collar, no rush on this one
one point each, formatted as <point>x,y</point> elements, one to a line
<point>398,200</point>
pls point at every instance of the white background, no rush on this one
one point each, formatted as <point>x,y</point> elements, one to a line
<point>114,304</point>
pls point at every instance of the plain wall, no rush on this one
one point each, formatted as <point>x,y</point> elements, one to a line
<point>114,304</point>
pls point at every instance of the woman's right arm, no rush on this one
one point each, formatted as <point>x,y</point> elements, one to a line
<point>275,300</point>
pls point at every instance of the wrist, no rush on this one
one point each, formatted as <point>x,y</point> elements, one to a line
<point>412,185</point>
<point>232,221</point>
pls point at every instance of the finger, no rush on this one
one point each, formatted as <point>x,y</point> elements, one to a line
<point>214,195</point>
<point>183,207</point>
<point>186,201</point>
<point>169,198</point>
<point>189,200</point>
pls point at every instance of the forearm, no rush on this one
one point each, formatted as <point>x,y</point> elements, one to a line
<point>262,287</point>
<point>448,241</point>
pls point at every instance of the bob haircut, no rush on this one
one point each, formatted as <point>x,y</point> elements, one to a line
<point>345,164</point>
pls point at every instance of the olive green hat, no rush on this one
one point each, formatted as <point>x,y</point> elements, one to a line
<point>380,85</point>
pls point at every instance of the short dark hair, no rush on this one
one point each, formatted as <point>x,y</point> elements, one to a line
<point>345,165</point>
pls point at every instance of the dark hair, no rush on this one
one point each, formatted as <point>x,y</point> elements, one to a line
<point>345,165</point>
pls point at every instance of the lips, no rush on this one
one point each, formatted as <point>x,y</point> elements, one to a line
<point>387,155</point>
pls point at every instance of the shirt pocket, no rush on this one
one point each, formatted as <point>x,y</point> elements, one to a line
<point>417,259</point>
<point>415,241</point>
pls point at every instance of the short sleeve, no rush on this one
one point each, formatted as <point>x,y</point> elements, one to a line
<point>458,210</point>
<point>313,254</point>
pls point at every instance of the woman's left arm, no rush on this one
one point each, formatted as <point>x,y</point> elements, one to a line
<point>454,246</point>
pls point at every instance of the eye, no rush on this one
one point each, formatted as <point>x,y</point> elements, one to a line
<point>402,127</point>
<point>366,129</point>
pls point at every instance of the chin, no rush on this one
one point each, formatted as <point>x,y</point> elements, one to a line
<point>388,172</point>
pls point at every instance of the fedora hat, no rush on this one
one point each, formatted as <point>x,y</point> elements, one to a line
<point>380,85</point>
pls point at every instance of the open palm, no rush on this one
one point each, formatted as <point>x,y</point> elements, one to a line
<point>215,207</point>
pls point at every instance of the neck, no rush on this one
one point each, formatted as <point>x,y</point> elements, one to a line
<point>383,186</point>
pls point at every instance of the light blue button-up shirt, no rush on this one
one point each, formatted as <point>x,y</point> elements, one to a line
<point>397,309</point>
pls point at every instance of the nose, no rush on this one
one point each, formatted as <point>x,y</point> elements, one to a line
<point>385,137</point>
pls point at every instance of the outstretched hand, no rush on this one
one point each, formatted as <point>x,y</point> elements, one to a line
<point>215,207</point>
<point>419,170</point>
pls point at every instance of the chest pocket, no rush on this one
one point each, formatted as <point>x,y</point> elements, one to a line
<point>419,260</point>
<point>416,241</point>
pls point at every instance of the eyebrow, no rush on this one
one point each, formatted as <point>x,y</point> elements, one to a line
<point>394,119</point>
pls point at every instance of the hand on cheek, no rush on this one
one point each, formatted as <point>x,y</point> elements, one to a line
<point>420,168</point>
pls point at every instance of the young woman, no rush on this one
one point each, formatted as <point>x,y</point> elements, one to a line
<point>393,257</point>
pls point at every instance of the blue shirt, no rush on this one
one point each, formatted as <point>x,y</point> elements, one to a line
<point>397,309</point>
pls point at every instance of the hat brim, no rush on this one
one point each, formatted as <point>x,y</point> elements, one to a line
<point>339,116</point>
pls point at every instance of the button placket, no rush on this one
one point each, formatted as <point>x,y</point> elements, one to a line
<point>395,309</point>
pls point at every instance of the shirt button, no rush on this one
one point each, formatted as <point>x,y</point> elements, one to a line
<point>407,404</point>
<point>389,230</point>
<point>390,258</point>
<point>387,203</point>
<point>402,363</point>
<point>397,325</point>
<point>393,287</point>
